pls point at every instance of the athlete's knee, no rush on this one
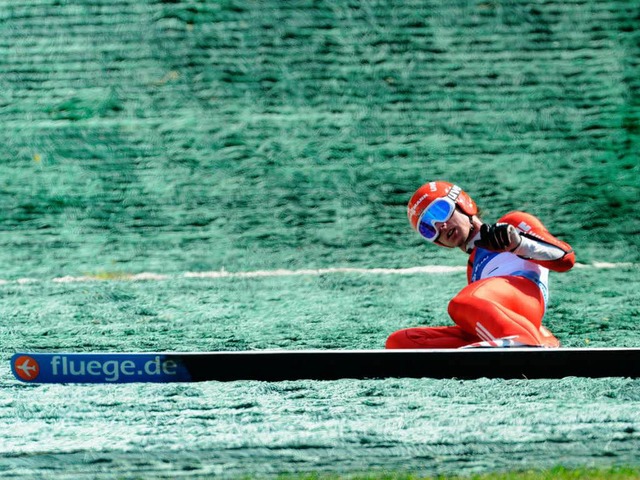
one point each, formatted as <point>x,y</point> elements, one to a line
<point>477,314</point>
<point>465,308</point>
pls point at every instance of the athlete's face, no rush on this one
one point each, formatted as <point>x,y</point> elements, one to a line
<point>455,231</point>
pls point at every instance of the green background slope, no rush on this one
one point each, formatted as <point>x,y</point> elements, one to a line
<point>201,135</point>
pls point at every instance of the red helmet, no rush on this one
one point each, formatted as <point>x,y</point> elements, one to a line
<point>431,191</point>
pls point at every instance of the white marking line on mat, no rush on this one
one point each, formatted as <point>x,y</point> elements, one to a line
<point>150,276</point>
<point>325,271</point>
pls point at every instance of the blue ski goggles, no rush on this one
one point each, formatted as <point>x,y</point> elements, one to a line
<point>440,210</point>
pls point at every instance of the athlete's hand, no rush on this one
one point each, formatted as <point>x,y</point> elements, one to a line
<point>499,237</point>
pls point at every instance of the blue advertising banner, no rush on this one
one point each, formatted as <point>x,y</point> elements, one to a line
<point>98,368</point>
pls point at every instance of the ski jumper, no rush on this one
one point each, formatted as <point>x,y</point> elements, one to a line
<point>505,299</point>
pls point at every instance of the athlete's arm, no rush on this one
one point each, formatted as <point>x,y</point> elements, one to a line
<point>538,245</point>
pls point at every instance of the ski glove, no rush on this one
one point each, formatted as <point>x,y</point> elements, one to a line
<point>499,237</point>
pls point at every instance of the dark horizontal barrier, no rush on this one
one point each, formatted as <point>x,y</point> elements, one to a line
<point>278,365</point>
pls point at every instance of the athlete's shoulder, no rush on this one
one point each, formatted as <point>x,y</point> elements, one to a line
<point>523,221</point>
